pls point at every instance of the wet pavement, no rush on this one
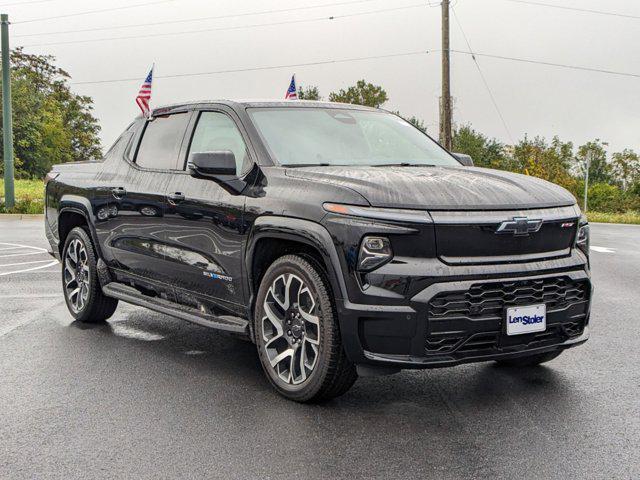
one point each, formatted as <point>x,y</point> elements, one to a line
<point>149,396</point>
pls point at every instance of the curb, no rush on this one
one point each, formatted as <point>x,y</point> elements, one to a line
<point>609,223</point>
<point>22,216</point>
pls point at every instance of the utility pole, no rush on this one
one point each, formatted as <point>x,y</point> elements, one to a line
<point>445,101</point>
<point>7,124</point>
<point>587,161</point>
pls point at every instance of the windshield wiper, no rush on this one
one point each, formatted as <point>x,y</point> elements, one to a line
<point>297,165</point>
<point>405,164</point>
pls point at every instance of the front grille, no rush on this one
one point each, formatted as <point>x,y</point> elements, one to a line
<point>461,243</point>
<point>488,300</point>
<point>487,343</point>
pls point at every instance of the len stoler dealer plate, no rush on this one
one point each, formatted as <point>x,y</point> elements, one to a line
<point>526,319</point>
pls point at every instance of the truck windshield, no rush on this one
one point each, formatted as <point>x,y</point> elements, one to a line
<point>328,136</point>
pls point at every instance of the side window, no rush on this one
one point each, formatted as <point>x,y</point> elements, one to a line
<point>161,141</point>
<point>216,131</point>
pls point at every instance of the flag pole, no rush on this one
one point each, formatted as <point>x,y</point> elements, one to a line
<point>153,79</point>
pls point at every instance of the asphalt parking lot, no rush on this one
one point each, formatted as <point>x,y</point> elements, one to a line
<point>148,396</point>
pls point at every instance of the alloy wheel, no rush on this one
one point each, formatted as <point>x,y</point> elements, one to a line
<point>291,329</point>
<point>76,275</point>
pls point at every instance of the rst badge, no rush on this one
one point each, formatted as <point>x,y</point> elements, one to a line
<point>519,226</point>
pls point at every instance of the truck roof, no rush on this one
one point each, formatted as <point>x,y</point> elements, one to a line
<point>247,103</point>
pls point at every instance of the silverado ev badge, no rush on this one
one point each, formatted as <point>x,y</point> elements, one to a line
<point>519,226</point>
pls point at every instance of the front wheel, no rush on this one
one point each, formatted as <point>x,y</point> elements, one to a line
<point>297,332</point>
<point>80,283</point>
<point>530,360</point>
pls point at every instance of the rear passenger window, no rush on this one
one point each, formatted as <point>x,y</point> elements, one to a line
<point>161,142</point>
<point>216,131</point>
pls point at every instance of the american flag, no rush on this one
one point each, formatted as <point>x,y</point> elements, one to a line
<point>291,91</point>
<point>144,95</point>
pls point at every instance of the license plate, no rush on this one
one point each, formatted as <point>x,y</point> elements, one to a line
<point>528,319</point>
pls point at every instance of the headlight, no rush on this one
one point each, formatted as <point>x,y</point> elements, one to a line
<point>395,214</point>
<point>374,252</point>
<point>583,236</point>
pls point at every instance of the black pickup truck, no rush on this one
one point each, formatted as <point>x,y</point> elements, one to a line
<point>340,239</point>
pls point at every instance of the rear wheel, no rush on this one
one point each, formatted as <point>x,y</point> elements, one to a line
<point>529,361</point>
<point>80,283</point>
<point>297,332</point>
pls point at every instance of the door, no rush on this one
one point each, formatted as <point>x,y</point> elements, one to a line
<point>136,225</point>
<point>205,230</point>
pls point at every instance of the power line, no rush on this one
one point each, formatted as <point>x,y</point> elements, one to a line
<point>356,59</point>
<point>218,29</point>
<point>252,69</point>
<point>188,20</point>
<point>551,64</point>
<point>113,9</point>
<point>575,9</point>
<point>484,80</point>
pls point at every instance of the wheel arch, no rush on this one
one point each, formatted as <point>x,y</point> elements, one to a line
<point>75,211</point>
<point>272,237</point>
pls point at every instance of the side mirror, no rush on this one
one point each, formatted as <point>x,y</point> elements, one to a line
<point>219,166</point>
<point>464,159</point>
<point>219,163</point>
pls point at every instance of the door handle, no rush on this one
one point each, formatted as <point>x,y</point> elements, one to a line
<point>118,192</point>
<point>176,197</point>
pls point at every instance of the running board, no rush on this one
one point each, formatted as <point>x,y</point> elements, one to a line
<point>129,294</point>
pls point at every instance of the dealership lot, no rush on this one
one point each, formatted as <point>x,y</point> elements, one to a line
<point>149,396</point>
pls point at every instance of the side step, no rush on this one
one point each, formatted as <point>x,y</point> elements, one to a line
<point>129,294</point>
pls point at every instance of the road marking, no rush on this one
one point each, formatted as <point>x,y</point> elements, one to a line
<point>55,262</point>
<point>20,254</point>
<point>10,248</point>
<point>27,250</point>
<point>32,295</point>
<point>23,246</point>
<point>602,249</point>
<point>30,250</point>
<point>23,263</point>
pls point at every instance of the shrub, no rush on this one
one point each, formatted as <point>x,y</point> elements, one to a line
<point>606,198</point>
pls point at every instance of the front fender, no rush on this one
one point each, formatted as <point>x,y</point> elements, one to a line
<point>304,231</point>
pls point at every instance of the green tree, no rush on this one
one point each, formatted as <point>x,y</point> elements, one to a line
<point>362,93</point>
<point>548,161</point>
<point>486,152</point>
<point>413,120</point>
<point>600,169</point>
<point>625,168</point>
<point>417,122</point>
<point>309,93</point>
<point>51,123</point>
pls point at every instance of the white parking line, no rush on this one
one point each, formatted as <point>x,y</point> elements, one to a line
<point>9,248</point>
<point>27,250</point>
<point>23,246</point>
<point>602,249</point>
<point>24,263</point>
<point>54,262</point>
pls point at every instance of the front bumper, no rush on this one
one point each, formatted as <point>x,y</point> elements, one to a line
<point>462,321</point>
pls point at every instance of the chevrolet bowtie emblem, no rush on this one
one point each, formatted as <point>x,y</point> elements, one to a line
<point>519,226</point>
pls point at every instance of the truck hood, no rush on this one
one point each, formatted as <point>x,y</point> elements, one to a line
<point>441,188</point>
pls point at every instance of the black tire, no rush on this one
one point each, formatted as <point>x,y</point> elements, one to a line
<point>530,360</point>
<point>332,374</point>
<point>97,307</point>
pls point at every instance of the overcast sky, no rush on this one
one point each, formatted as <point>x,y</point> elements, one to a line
<point>533,99</point>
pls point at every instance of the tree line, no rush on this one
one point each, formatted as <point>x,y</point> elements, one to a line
<point>54,125</point>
